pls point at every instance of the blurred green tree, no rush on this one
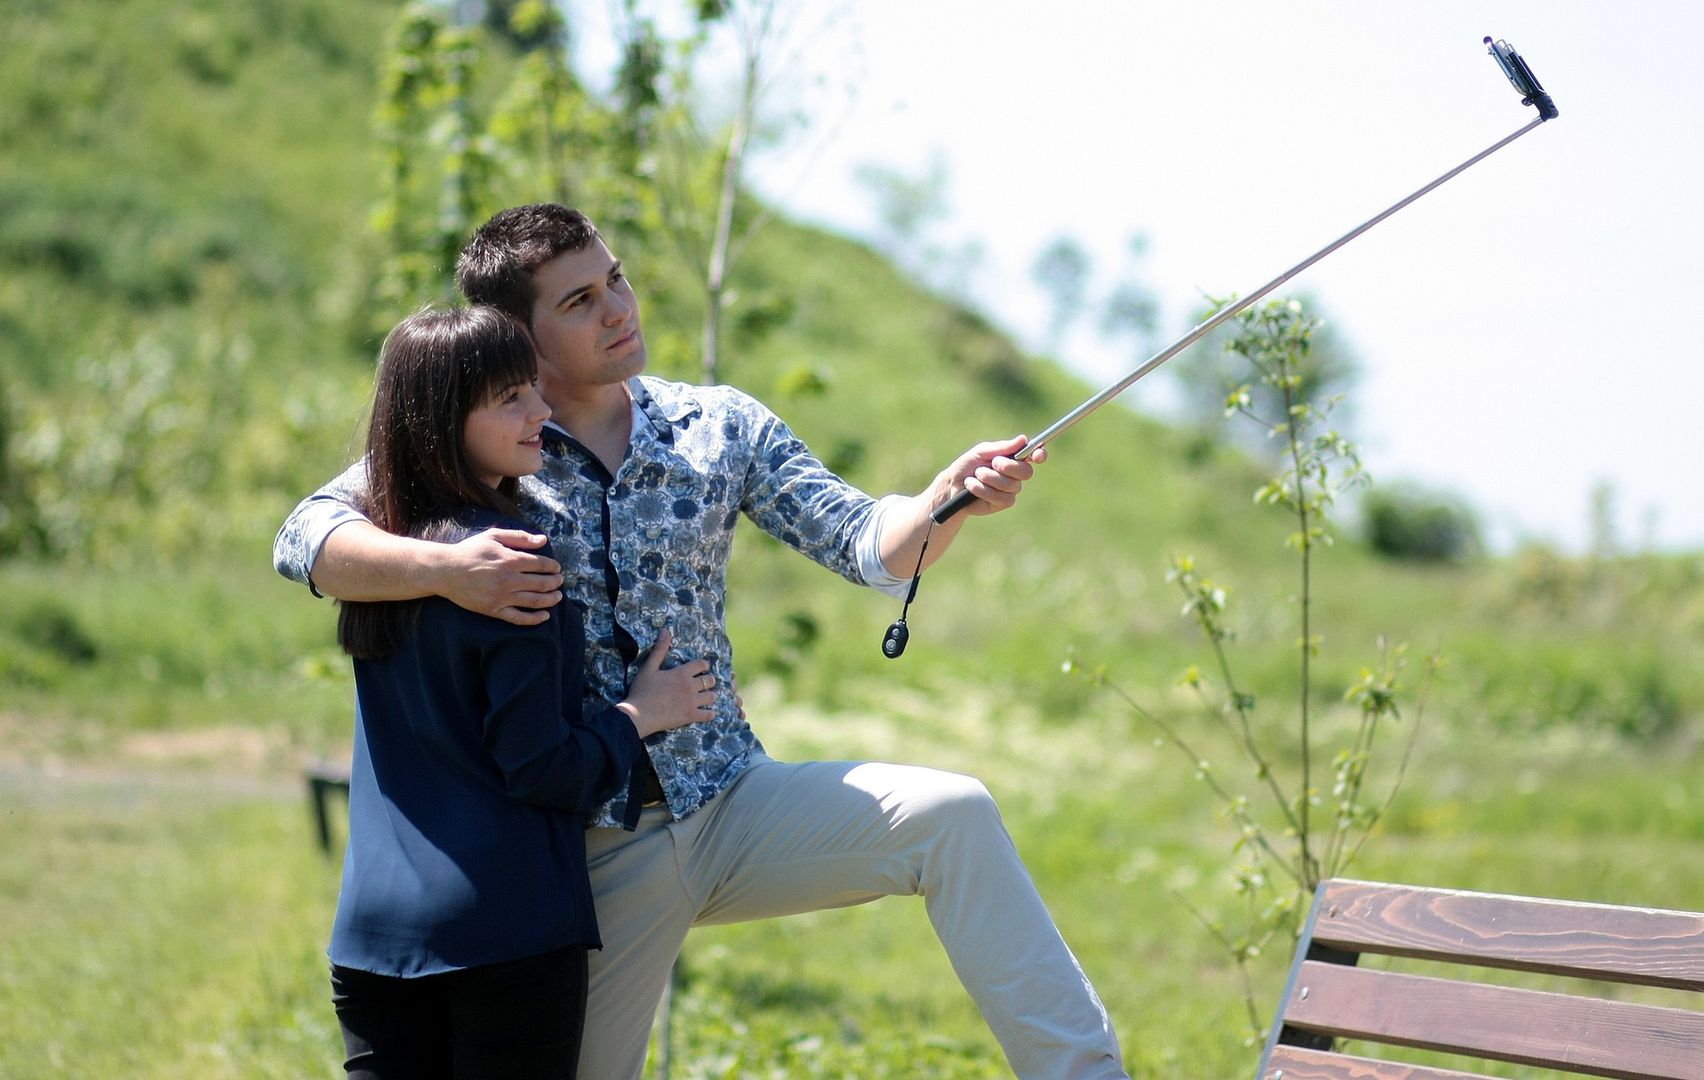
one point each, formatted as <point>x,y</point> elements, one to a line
<point>1062,270</point>
<point>1404,521</point>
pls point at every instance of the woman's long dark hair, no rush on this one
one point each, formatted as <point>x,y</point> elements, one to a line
<point>435,368</point>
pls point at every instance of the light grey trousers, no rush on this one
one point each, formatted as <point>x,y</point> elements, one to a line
<point>791,838</point>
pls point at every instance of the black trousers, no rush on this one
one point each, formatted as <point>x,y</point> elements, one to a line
<point>518,1020</point>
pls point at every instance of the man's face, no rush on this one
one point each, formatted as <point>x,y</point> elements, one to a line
<point>585,322</point>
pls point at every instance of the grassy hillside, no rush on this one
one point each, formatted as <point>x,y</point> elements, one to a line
<point>184,352</point>
<point>165,162</point>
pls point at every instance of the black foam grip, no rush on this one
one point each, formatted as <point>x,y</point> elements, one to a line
<point>952,506</point>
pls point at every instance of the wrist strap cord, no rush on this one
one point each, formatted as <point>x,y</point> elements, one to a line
<point>893,642</point>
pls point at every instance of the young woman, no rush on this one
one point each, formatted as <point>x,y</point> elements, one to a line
<point>459,946</point>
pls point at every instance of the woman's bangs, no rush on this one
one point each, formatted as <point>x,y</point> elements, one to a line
<point>504,358</point>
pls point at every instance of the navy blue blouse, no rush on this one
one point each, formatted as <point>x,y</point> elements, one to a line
<point>472,778</point>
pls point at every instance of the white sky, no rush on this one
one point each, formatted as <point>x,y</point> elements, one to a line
<point>1523,330</point>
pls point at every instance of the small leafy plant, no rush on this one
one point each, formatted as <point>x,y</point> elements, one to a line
<point>1301,820</point>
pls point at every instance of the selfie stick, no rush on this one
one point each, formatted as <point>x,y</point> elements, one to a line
<point>1521,76</point>
<point>1531,94</point>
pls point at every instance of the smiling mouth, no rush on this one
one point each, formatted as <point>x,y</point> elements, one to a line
<point>625,339</point>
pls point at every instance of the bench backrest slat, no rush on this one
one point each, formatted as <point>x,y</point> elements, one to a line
<point>1595,941</point>
<point>1527,1027</point>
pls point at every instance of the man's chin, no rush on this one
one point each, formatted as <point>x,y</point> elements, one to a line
<point>634,362</point>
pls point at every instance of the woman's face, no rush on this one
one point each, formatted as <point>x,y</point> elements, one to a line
<point>501,436</point>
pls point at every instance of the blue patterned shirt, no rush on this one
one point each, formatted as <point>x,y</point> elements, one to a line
<point>648,548</point>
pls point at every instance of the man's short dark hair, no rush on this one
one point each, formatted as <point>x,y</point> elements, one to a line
<point>496,264</point>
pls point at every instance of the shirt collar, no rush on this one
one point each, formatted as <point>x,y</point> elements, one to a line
<point>660,419</point>
<point>663,417</point>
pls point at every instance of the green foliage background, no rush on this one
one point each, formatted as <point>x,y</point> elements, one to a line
<point>194,215</point>
<point>191,292</point>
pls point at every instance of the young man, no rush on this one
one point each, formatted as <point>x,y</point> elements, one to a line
<point>642,483</point>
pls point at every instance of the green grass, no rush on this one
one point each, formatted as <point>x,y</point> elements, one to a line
<point>163,922</point>
<point>157,930</point>
<point>101,652</point>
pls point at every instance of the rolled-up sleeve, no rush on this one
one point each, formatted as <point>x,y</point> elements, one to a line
<point>869,547</point>
<point>303,534</point>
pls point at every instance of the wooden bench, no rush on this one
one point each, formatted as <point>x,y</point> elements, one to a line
<point>325,779</point>
<point>1582,1032</point>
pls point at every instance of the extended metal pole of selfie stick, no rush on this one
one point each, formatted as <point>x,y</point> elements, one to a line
<point>1518,73</point>
<point>1524,82</point>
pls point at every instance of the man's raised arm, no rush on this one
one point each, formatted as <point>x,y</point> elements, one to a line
<point>987,470</point>
<point>332,548</point>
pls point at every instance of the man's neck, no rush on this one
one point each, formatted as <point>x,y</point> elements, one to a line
<point>601,421</point>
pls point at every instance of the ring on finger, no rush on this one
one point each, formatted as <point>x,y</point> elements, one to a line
<point>708,682</point>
